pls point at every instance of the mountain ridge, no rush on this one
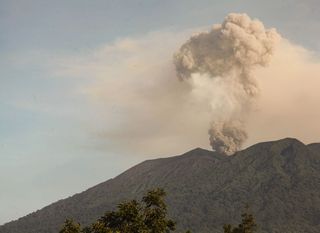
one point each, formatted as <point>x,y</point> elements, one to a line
<point>206,189</point>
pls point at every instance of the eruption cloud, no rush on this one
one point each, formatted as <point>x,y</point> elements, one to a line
<point>218,65</point>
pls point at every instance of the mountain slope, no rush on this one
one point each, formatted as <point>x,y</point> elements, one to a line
<point>280,180</point>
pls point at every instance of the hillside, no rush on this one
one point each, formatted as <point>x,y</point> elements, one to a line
<point>280,180</point>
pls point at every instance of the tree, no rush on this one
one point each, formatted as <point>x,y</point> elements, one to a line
<point>155,212</point>
<point>247,224</point>
<point>97,227</point>
<point>147,216</point>
<point>127,219</point>
<point>70,227</point>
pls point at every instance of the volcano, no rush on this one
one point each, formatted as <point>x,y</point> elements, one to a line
<point>279,180</point>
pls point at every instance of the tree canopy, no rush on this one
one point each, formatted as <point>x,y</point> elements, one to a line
<point>247,224</point>
<point>147,216</point>
<point>70,227</point>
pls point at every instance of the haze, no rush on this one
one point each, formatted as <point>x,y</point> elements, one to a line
<point>89,88</point>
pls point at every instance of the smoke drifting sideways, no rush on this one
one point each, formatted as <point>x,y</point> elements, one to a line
<point>218,66</point>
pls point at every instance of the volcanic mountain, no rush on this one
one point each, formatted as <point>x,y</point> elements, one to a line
<point>280,180</point>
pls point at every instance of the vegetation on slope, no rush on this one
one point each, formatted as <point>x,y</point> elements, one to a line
<point>280,180</point>
<point>147,216</point>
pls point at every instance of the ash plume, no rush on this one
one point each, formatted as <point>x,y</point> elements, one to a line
<point>227,137</point>
<point>222,60</point>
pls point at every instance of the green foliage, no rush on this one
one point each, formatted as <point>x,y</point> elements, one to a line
<point>155,212</point>
<point>247,224</point>
<point>128,218</point>
<point>70,227</point>
<point>147,216</point>
<point>97,227</point>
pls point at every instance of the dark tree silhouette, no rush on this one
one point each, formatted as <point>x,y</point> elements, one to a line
<point>147,216</point>
<point>247,224</point>
<point>70,227</point>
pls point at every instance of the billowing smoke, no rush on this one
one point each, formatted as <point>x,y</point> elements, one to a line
<point>218,65</point>
<point>226,137</point>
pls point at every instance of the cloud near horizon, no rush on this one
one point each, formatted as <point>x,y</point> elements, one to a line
<point>144,109</point>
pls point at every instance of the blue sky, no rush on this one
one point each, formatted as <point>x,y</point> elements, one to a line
<point>48,150</point>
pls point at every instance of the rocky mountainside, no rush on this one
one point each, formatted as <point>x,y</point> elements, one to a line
<point>280,180</point>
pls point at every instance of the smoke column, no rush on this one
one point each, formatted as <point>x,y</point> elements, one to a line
<point>218,65</point>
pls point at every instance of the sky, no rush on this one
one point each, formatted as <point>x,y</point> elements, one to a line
<point>86,91</point>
